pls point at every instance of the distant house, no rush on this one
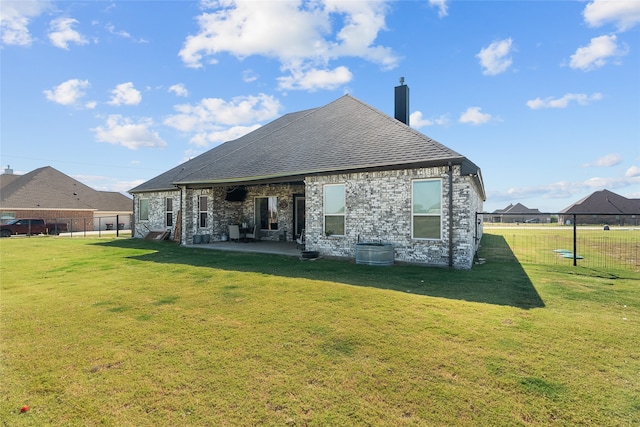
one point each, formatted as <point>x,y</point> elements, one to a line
<point>518,213</point>
<point>344,173</point>
<point>602,207</point>
<point>55,197</point>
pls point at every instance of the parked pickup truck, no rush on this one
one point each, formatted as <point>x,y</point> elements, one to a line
<point>31,226</point>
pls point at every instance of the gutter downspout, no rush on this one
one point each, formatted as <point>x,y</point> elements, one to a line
<point>133,219</point>
<point>182,241</point>
<point>450,215</point>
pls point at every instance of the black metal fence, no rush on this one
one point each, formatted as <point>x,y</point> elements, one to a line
<point>611,242</point>
<point>90,225</point>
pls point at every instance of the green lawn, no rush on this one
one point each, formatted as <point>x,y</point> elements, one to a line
<point>124,332</point>
<point>618,248</point>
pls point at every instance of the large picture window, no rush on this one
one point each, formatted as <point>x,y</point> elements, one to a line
<point>203,205</point>
<point>143,210</point>
<point>169,211</point>
<point>427,209</point>
<point>334,209</point>
<point>266,211</point>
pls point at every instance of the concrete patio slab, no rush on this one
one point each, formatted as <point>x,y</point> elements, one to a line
<point>261,246</point>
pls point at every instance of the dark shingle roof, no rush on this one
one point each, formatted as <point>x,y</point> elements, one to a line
<point>604,202</point>
<point>344,135</point>
<point>518,208</point>
<point>48,188</point>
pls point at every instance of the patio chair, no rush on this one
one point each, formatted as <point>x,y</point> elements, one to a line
<point>253,233</point>
<point>234,233</point>
<point>300,241</point>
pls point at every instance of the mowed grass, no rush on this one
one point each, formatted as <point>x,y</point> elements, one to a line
<point>124,332</point>
<point>618,248</point>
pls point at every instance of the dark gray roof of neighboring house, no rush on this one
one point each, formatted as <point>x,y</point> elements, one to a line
<point>604,202</point>
<point>518,208</point>
<point>48,188</point>
<point>343,136</point>
<point>5,179</point>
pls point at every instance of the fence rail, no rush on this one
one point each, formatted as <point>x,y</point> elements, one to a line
<point>599,246</point>
<point>78,225</point>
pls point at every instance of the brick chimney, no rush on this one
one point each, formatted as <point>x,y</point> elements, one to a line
<point>402,102</point>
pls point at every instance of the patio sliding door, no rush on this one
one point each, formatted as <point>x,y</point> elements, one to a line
<point>266,213</point>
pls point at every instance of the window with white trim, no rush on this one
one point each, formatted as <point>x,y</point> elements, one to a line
<point>169,211</point>
<point>143,209</point>
<point>203,203</point>
<point>427,209</point>
<point>334,209</point>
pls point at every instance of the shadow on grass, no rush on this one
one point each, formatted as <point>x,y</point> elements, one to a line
<point>500,281</point>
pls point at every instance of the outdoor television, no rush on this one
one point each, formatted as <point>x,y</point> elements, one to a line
<point>237,194</point>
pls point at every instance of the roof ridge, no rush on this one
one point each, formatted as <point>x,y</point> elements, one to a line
<point>399,123</point>
<point>308,111</point>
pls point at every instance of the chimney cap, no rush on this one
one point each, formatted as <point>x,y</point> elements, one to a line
<point>402,80</point>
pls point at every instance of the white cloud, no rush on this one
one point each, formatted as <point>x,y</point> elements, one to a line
<point>67,93</point>
<point>61,33</point>
<point>550,102</point>
<point>206,139</point>
<point>299,34</point>
<point>217,120</point>
<point>442,7</point>
<point>606,161</point>
<point>240,110</point>
<point>125,94</point>
<point>249,76</point>
<point>623,13</point>
<point>108,183</point>
<point>314,79</point>
<point>15,18</point>
<point>474,116</point>
<point>122,131</point>
<point>179,90</point>
<point>597,53</point>
<point>417,121</point>
<point>121,33</point>
<point>632,172</point>
<point>567,189</point>
<point>495,58</point>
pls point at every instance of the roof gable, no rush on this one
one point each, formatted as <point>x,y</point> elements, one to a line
<point>519,208</point>
<point>48,188</point>
<point>344,135</point>
<point>604,202</point>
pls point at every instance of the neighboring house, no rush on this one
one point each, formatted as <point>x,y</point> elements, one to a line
<point>602,207</point>
<point>344,172</point>
<point>518,213</point>
<point>55,197</point>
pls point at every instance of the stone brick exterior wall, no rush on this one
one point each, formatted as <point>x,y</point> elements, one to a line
<point>378,208</point>
<point>220,213</point>
<point>157,211</point>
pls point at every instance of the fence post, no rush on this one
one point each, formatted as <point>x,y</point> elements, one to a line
<point>117,225</point>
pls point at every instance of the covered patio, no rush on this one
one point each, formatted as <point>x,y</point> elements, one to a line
<point>261,246</point>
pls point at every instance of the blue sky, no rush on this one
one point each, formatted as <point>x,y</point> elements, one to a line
<point>544,96</point>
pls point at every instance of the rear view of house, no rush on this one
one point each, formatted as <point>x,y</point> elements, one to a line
<point>344,173</point>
